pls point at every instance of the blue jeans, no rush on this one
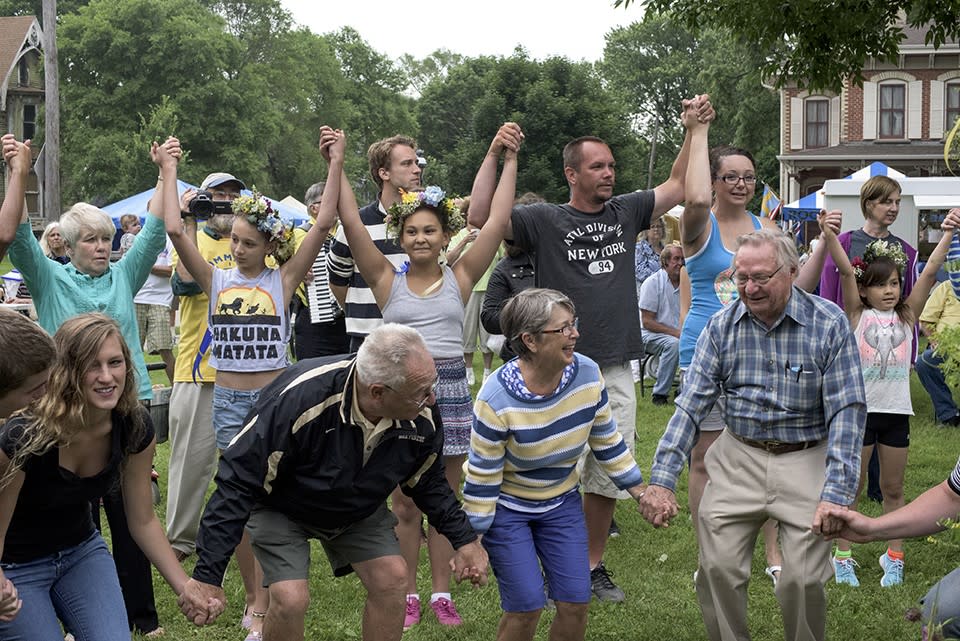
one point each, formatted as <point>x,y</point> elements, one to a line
<point>230,409</point>
<point>931,377</point>
<point>77,586</point>
<point>668,348</point>
<point>945,598</point>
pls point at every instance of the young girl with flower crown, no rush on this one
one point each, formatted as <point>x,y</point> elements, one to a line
<point>249,316</point>
<point>430,297</point>
<point>883,323</point>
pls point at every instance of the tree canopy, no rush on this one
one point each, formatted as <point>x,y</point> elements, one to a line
<point>816,44</point>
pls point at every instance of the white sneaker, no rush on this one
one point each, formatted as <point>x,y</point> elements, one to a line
<point>470,378</point>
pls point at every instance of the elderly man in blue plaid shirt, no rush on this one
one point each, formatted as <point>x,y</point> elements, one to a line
<point>788,364</point>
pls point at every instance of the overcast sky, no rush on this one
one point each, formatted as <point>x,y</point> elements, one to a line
<point>571,28</point>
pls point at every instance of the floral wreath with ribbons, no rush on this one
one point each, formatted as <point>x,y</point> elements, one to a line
<point>451,218</point>
<point>879,249</point>
<point>259,212</point>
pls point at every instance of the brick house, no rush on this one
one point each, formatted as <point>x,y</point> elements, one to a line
<point>22,92</point>
<point>899,117</point>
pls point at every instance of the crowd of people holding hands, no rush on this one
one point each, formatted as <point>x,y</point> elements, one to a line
<point>782,394</point>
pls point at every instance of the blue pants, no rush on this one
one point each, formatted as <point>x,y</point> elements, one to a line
<point>77,586</point>
<point>931,377</point>
<point>945,597</point>
<point>668,348</point>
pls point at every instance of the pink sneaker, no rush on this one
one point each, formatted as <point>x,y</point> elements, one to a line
<point>412,616</point>
<point>446,612</point>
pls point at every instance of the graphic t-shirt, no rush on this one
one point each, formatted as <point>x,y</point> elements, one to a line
<point>590,258</point>
<point>249,322</point>
<point>885,345</point>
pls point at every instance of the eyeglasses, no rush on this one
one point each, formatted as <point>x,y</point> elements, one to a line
<point>423,401</point>
<point>758,279</point>
<point>566,330</point>
<point>224,195</point>
<point>733,179</point>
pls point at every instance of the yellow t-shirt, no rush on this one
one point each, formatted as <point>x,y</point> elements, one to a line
<point>942,309</point>
<point>193,315</point>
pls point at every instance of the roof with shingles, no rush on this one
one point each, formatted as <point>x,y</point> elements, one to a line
<point>13,32</point>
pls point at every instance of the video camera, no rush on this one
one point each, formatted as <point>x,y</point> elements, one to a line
<point>202,206</point>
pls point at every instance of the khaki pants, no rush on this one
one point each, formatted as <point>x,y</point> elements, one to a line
<point>747,486</point>
<point>193,457</point>
<point>622,396</point>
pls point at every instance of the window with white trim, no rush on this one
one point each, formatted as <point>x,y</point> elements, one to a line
<point>892,109</point>
<point>816,123</point>
<point>951,104</point>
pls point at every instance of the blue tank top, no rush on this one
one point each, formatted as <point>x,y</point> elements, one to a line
<point>711,287</point>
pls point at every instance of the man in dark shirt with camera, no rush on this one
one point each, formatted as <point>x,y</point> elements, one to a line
<point>193,450</point>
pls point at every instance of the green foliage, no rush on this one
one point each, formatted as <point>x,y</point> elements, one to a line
<point>654,64</point>
<point>816,44</point>
<point>947,340</point>
<point>554,101</point>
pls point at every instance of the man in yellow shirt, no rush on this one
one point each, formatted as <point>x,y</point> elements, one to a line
<point>941,311</point>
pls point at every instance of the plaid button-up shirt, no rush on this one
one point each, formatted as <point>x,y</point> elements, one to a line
<point>799,380</point>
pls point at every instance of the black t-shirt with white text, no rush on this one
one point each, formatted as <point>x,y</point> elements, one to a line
<point>590,258</point>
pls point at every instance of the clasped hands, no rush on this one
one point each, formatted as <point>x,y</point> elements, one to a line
<point>658,505</point>
<point>201,603</point>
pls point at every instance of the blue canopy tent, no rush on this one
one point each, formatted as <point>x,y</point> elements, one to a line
<point>137,204</point>
<point>807,208</point>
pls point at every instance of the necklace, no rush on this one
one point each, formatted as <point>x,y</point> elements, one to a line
<point>883,323</point>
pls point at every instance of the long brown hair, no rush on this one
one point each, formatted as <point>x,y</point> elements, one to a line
<point>57,417</point>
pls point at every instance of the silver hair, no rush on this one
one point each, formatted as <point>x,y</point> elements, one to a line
<point>528,312</point>
<point>383,357</point>
<point>783,244</point>
<point>667,253</point>
<point>85,217</point>
<point>44,244</point>
<point>314,192</point>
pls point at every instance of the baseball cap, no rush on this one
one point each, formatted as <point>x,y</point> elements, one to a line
<point>218,178</point>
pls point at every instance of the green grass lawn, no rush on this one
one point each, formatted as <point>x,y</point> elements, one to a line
<point>654,567</point>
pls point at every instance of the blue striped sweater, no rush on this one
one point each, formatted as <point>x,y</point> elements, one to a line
<point>524,453</point>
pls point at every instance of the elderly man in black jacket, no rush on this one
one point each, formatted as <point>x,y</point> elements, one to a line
<point>317,458</point>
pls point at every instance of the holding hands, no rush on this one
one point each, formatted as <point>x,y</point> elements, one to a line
<point>508,139</point>
<point>167,154</point>
<point>658,505</point>
<point>697,111</point>
<point>201,603</point>
<point>470,562</point>
<point>830,222</point>
<point>333,143</point>
<point>10,602</point>
<point>16,154</point>
<point>952,221</point>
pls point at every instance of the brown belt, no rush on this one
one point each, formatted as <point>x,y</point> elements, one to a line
<point>775,447</point>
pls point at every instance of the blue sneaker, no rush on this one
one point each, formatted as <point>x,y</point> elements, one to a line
<point>843,571</point>
<point>892,571</point>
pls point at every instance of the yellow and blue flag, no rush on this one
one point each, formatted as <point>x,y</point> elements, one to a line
<point>769,204</point>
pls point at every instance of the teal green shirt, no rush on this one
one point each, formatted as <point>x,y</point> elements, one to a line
<point>61,292</point>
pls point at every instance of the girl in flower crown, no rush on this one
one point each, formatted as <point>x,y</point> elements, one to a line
<point>430,297</point>
<point>249,315</point>
<point>883,324</point>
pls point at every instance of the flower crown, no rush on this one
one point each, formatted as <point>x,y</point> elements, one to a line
<point>259,212</point>
<point>411,201</point>
<point>879,249</point>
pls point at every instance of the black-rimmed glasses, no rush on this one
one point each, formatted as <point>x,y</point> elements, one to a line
<point>733,179</point>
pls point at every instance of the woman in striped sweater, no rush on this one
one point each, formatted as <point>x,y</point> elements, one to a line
<point>535,417</point>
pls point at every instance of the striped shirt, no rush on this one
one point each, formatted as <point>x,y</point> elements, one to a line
<point>954,480</point>
<point>362,314</point>
<point>798,381</point>
<point>524,450</point>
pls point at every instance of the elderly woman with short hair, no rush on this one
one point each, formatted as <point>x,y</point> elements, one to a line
<point>535,417</point>
<point>89,283</point>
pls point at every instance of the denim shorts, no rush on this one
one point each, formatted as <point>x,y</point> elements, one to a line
<point>518,543</point>
<point>77,586</point>
<point>230,409</point>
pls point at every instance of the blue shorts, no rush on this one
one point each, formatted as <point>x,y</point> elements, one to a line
<point>519,542</point>
<point>230,409</point>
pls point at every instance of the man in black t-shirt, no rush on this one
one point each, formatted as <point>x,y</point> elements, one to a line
<point>585,248</point>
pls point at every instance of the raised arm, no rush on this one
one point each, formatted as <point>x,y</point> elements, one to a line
<point>14,211</point>
<point>475,262</point>
<point>295,269</point>
<point>673,192</point>
<point>184,238</point>
<point>375,268</point>
<point>928,277</point>
<point>696,182</point>
<point>510,137</point>
<point>812,270</point>
<point>852,304</point>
